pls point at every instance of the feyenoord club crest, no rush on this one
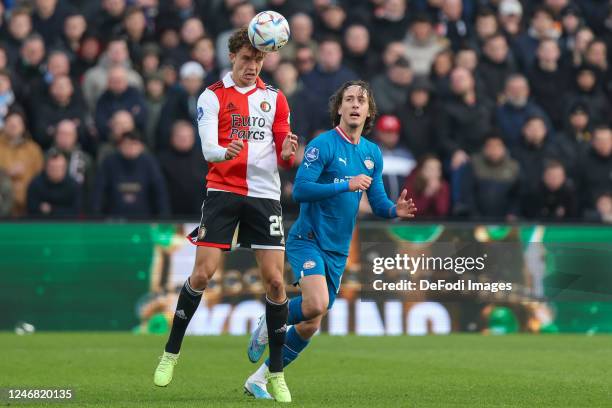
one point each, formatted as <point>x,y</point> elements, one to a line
<point>265,106</point>
<point>201,233</point>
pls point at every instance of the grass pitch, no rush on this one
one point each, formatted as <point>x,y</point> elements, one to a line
<point>107,370</point>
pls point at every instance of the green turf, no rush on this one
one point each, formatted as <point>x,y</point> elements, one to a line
<point>458,371</point>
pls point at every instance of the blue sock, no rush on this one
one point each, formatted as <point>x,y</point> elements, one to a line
<point>295,311</point>
<point>294,344</point>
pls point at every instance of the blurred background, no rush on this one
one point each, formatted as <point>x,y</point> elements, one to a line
<point>495,115</point>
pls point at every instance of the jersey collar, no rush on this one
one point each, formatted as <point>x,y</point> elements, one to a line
<point>228,82</point>
<point>344,135</point>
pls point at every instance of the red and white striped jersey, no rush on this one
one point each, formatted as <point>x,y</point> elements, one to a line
<point>257,115</point>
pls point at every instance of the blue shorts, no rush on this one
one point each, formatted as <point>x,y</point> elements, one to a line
<point>306,258</point>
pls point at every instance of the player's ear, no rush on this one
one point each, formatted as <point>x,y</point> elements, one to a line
<point>232,57</point>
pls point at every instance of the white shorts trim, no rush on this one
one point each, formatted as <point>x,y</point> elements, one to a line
<point>255,246</point>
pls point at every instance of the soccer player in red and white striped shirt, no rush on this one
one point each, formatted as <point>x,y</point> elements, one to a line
<point>244,128</point>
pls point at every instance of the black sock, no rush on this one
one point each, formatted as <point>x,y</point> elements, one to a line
<point>276,321</point>
<point>188,302</point>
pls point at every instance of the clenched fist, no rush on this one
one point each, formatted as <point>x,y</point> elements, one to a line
<point>360,182</point>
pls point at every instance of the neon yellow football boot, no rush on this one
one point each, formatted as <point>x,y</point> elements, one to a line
<point>277,387</point>
<point>165,368</point>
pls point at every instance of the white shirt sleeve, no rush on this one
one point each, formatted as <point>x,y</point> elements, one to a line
<point>208,126</point>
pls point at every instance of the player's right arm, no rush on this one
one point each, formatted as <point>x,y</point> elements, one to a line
<point>307,188</point>
<point>208,127</point>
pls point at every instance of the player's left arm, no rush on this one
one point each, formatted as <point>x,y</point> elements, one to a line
<point>286,143</point>
<point>379,201</point>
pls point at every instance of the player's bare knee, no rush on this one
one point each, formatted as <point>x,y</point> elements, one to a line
<point>199,277</point>
<point>275,288</point>
<point>314,308</point>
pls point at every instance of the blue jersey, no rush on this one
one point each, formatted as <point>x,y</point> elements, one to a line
<point>328,210</point>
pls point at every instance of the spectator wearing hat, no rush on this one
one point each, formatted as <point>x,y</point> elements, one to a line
<point>53,193</point>
<point>545,77</point>
<point>181,101</point>
<point>95,80</point>
<point>577,129</point>
<point>495,65</point>
<point>399,162</point>
<point>510,14</point>
<point>516,108</point>
<point>595,171</point>
<point>129,183</point>
<point>429,191</point>
<point>554,198</point>
<point>391,88</point>
<point>184,170</point>
<point>423,44</point>
<point>20,157</point>
<point>571,23</point>
<point>489,186</point>
<point>119,96</point>
<point>418,119</point>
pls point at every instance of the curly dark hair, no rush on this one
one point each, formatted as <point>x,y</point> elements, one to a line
<point>239,39</point>
<point>336,100</point>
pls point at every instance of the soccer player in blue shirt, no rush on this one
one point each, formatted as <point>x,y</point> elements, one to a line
<point>338,166</point>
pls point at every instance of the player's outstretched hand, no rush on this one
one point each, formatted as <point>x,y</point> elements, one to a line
<point>405,208</point>
<point>290,145</point>
<point>360,182</point>
<point>233,149</point>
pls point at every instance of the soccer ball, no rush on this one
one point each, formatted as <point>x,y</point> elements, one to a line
<point>268,31</point>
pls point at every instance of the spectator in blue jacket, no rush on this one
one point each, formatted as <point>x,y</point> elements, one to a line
<point>119,96</point>
<point>327,76</point>
<point>489,186</point>
<point>129,183</point>
<point>516,109</point>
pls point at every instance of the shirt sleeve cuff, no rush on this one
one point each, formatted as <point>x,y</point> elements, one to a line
<point>393,212</point>
<point>341,187</point>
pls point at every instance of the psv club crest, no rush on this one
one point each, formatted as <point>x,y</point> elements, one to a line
<point>265,106</point>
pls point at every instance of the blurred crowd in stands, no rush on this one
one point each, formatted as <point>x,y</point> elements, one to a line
<point>488,110</point>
